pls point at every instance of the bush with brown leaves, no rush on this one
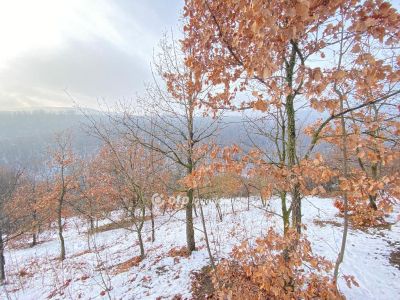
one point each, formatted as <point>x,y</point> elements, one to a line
<point>361,214</point>
<point>275,267</point>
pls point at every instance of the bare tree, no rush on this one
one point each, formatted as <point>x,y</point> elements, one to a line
<point>167,119</point>
<point>62,166</point>
<point>8,183</point>
<point>127,174</point>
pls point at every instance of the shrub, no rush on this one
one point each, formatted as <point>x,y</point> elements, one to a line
<point>275,267</point>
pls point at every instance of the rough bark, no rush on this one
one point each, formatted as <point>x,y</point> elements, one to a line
<point>60,230</point>
<point>191,245</point>
<point>285,212</point>
<point>291,142</point>
<point>141,245</point>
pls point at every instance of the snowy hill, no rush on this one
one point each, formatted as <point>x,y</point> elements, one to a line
<point>108,269</point>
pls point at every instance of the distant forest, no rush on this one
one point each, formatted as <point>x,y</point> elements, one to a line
<point>26,135</point>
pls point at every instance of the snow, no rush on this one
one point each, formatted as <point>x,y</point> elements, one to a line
<point>88,274</point>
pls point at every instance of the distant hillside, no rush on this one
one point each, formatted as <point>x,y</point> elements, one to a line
<point>26,134</point>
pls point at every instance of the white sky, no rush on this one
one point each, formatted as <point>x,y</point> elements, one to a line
<point>97,50</point>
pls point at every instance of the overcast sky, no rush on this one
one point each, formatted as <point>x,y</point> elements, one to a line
<point>96,50</point>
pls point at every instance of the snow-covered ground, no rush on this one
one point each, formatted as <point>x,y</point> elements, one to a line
<point>36,273</point>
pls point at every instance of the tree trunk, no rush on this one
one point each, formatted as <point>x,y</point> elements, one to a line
<point>153,231</point>
<point>191,246</point>
<point>91,221</point>
<point>345,166</point>
<point>345,200</point>
<point>206,236</point>
<point>88,240</point>
<point>141,245</point>
<point>285,212</point>
<point>291,141</point>
<point>140,227</point>
<point>291,152</point>
<point>263,201</point>
<point>34,242</point>
<point>374,166</point>
<point>296,208</point>
<point>372,202</point>
<point>195,210</point>
<point>2,259</point>
<point>60,231</point>
<point>35,231</point>
<point>219,211</point>
<point>372,198</point>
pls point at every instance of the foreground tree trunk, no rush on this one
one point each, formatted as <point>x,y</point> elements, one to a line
<point>296,208</point>
<point>191,245</point>
<point>345,166</point>
<point>291,141</point>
